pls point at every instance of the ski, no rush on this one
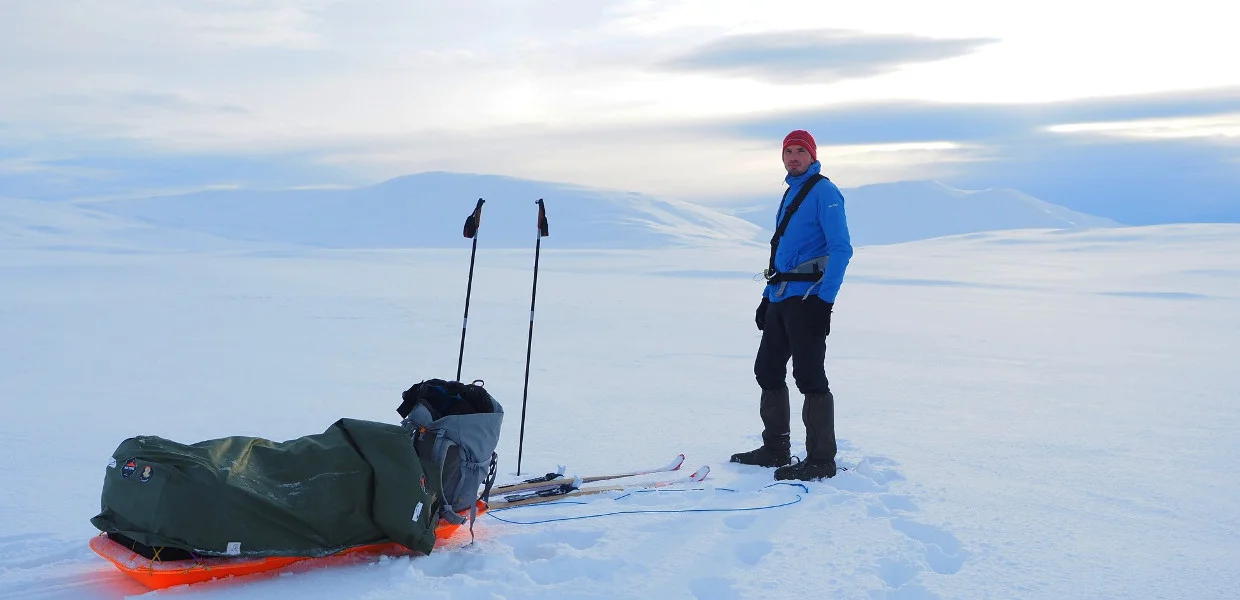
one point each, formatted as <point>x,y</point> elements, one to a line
<point>548,490</point>
<point>542,482</point>
<point>562,491</point>
<point>558,473</point>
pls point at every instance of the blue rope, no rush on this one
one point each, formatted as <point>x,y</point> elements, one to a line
<point>648,511</point>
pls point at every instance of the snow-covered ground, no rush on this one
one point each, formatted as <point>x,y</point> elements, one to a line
<point>1029,414</point>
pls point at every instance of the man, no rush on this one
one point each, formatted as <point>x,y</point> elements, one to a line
<point>809,254</point>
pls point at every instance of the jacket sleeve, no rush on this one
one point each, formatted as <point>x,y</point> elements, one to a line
<point>839,245</point>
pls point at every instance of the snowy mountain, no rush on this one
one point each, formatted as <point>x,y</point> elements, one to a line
<point>429,210</point>
<point>890,213</point>
<point>61,226</point>
<point>904,211</point>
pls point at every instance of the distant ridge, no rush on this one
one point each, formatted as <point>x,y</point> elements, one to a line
<point>428,210</point>
<point>889,213</point>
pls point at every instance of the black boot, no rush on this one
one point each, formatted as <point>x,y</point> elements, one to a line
<point>776,447</point>
<point>818,414</point>
<point>766,456</point>
<point>807,470</point>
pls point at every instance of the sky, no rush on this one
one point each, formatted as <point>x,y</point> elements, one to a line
<point>1127,113</point>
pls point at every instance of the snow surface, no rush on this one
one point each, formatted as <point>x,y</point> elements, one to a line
<point>1030,414</point>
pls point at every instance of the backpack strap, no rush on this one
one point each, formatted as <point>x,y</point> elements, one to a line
<point>439,454</point>
<point>787,218</point>
<point>486,494</point>
<point>490,480</point>
<point>436,451</point>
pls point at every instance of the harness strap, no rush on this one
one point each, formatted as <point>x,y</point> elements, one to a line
<point>788,212</point>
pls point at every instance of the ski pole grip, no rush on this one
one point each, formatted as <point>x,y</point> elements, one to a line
<point>474,220</point>
<point>542,220</point>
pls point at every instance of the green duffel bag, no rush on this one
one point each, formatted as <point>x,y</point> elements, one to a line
<point>357,483</point>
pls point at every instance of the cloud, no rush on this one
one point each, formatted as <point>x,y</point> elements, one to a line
<point>287,74</point>
<point>69,169</point>
<point>915,121</point>
<point>61,28</point>
<point>818,56</point>
<point>1225,125</point>
<point>143,101</point>
<point>105,100</point>
<point>1132,180</point>
<point>1136,181</point>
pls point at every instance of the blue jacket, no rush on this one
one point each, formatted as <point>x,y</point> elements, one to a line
<point>818,228</point>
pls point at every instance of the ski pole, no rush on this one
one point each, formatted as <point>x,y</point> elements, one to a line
<point>529,344</point>
<point>471,231</point>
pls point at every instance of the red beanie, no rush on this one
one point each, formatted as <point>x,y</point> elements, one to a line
<point>801,137</point>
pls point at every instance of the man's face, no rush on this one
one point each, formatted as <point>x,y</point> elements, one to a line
<point>797,160</point>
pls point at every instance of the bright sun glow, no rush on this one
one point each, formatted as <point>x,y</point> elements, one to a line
<point>1220,126</point>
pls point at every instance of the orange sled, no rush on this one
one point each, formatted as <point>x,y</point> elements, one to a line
<point>158,574</point>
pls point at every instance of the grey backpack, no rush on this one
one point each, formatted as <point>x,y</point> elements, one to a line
<point>455,427</point>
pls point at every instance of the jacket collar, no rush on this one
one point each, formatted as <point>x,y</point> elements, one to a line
<point>814,169</point>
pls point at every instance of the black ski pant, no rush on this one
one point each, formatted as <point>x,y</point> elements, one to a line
<point>793,331</point>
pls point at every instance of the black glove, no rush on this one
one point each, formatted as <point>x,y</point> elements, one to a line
<point>818,313</point>
<point>760,317</point>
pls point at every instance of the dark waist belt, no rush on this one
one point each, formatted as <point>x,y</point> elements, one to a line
<point>782,277</point>
<point>811,270</point>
